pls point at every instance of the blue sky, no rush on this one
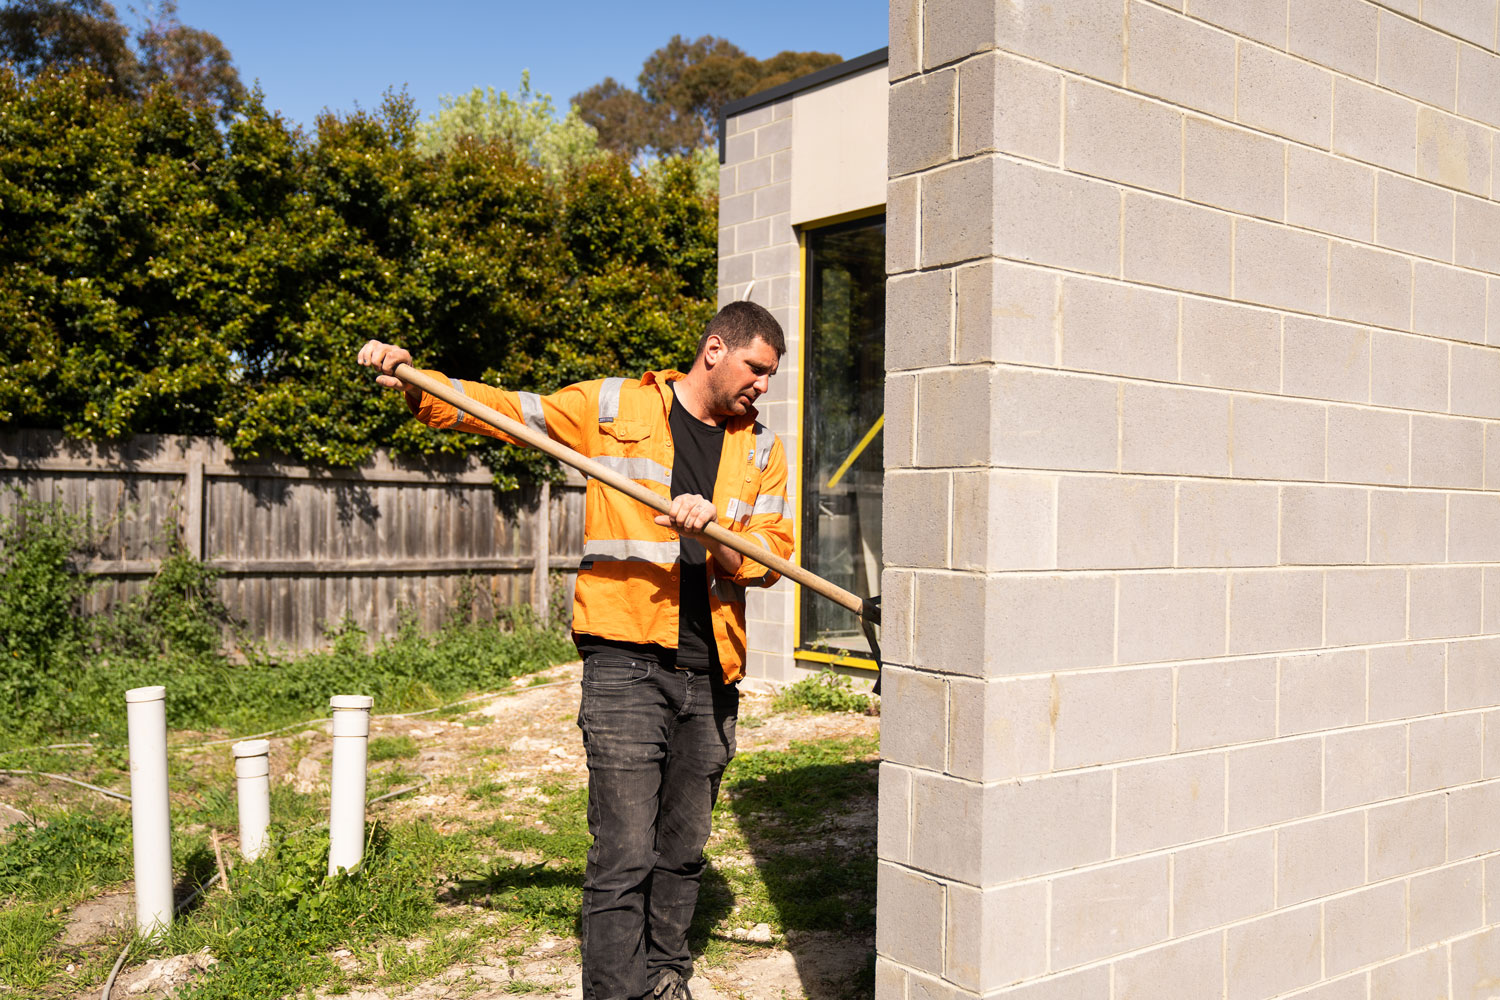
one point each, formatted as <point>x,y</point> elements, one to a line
<point>312,55</point>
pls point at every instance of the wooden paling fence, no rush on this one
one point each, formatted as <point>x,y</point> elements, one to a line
<point>300,548</point>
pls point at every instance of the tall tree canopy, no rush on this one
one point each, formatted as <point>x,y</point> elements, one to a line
<point>159,274</point>
<point>682,87</point>
<point>61,35</point>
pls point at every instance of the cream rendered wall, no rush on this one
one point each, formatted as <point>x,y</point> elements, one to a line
<point>810,156</point>
<point>1193,501</point>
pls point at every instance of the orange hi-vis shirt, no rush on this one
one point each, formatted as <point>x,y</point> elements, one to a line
<point>628,582</point>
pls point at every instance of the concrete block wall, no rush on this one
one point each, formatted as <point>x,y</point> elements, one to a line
<point>1193,532</point>
<point>759,258</point>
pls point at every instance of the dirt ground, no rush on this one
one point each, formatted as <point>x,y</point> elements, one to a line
<point>533,738</point>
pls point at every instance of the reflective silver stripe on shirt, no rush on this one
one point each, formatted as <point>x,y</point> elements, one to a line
<point>728,591</point>
<point>531,411</point>
<point>609,400</point>
<point>766,503</point>
<point>622,549</point>
<point>764,438</point>
<point>644,469</point>
<point>769,503</point>
<point>458,417</point>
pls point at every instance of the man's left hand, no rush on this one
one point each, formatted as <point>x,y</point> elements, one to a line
<point>689,514</point>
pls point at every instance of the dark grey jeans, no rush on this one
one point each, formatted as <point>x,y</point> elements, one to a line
<point>657,741</point>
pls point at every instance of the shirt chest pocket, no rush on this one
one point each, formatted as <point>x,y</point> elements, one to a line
<point>630,448</point>
<point>626,436</point>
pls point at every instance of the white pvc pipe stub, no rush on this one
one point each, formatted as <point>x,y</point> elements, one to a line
<point>252,786</point>
<point>150,810</point>
<point>346,812</point>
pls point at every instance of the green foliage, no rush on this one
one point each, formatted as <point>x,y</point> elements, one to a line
<point>683,86</point>
<point>64,854</point>
<point>26,932</point>
<point>391,748</point>
<point>42,633</point>
<point>63,673</point>
<point>161,275</point>
<point>527,123</point>
<point>179,612</point>
<point>825,691</point>
<point>38,36</point>
<point>274,932</point>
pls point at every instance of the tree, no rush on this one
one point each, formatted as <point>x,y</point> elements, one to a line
<point>528,123</point>
<point>61,35</point>
<point>162,274</point>
<point>36,35</point>
<point>193,62</point>
<point>682,87</point>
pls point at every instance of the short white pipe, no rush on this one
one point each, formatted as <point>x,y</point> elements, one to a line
<point>346,814</point>
<point>150,812</point>
<point>252,788</point>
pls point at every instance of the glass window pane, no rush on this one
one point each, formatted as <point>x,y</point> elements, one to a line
<point>843,401</point>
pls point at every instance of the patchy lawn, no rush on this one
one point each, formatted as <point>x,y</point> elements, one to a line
<point>472,882</point>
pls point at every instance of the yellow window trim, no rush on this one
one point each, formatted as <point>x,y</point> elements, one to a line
<point>841,659</point>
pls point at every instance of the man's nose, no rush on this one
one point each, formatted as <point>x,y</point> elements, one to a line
<point>762,384</point>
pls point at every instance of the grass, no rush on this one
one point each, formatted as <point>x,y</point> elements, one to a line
<point>517,854</point>
<point>383,748</point>
<point>488,874</point>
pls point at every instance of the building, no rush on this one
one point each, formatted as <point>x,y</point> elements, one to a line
<point>1191,514</point>
<point>802,231</point>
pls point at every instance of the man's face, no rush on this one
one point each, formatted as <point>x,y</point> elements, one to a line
<point>737,378</point>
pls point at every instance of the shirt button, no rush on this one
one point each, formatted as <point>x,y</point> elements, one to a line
<point>747,479</point>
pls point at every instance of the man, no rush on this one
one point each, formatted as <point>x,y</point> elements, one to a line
<point>659,618</point>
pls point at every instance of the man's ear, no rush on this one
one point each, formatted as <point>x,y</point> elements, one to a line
<point>713,350</point>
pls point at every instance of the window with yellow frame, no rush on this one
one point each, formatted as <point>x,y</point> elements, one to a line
<point>843,398</point>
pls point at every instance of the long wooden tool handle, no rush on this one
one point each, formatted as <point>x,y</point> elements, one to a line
<point>594,470</point>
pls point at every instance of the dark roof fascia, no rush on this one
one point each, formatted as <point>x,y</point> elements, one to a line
<point>808,82</point>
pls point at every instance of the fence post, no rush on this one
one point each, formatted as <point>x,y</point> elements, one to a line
<point>346,812</point>
<point>150,811</point>
<point>541,532</point>
<point>193,487</point>
<point>252,792</point>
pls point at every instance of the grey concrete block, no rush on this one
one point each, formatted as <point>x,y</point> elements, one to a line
<point>1006,312</point>
<point>1009,106</point>
<point>923,122</point>
<point>957,221</point>
<point>919,311</point>
<point>910,930</point>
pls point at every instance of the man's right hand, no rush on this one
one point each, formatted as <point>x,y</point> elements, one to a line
<point>384,358</point>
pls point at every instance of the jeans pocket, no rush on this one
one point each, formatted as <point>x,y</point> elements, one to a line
<point>604,672</point>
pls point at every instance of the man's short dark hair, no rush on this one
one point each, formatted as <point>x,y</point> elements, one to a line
<point>740,324</point>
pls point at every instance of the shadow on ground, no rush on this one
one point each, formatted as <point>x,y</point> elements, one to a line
<point>808,819</point>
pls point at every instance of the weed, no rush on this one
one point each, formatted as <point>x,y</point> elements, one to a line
<point>825,691</point>
<point>274,934</point>
<point>64,855</point>
<point>400,747</point>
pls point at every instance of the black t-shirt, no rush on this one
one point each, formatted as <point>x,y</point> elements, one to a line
<point>697,448</point>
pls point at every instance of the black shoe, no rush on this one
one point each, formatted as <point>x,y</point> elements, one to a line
<point>671,986</point>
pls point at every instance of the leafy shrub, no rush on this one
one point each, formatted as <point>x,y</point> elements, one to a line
<point>825,691</point>
<point>42,633</point>
<point>161,274</point>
